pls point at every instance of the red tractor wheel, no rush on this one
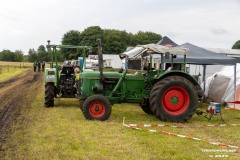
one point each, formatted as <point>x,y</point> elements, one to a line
<point>173,99</point>
<point>97,107</point>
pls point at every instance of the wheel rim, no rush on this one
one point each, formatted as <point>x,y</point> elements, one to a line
<point>97,109</point>
<point>175,100</point>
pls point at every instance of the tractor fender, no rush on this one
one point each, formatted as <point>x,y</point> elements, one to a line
<point>184,75</point>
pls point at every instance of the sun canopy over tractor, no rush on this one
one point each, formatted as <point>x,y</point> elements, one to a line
<point>202,56</point>
<point>153,48</point>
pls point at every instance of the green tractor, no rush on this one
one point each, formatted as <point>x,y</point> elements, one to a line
<point>60,81</point>
<point>170,95</point>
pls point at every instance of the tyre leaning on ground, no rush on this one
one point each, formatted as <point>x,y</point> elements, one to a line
<point>97,107</point>
<point>49,94</point>
<point>173,99</point>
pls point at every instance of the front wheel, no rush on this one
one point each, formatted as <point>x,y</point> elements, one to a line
<point>97,107</point>
<point>173,99</point>
<point>49,95</point>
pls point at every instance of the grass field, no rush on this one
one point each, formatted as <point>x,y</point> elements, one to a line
<point>17,64</point>
<point>62,132</point>
<point>9,71</point>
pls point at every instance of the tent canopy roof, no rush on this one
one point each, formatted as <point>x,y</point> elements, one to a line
<point>153,49</point>
<point>202,56</point>
<point>165,41</point>
<point>232,52</point>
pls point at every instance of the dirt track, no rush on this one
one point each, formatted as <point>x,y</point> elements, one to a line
<point>13,96</point>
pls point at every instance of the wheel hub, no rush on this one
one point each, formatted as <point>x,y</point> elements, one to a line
<point>97,109</point>
<point>175,100</point>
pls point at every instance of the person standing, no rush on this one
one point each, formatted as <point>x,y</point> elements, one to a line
<point>43,66</point>
<point>34,66</point>
<point>39,66</point>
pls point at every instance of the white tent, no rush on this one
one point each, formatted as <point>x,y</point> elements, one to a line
<point>220,86</point>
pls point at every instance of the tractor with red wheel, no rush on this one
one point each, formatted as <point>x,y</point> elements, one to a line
<point>170,95</point>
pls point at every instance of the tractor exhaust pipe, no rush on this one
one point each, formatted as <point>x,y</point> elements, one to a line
<point>100,59</point>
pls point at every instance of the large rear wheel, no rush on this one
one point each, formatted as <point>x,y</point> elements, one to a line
<point>49,94</point>
<point>145,105</point>
<point>173,99</point>
<point>97,107</point>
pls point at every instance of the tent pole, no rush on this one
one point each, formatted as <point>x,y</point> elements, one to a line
<point>126,63</point>
<point>162,64</point>
<point>204,80</point>
<point>142,63</point>
<point>235,81</point>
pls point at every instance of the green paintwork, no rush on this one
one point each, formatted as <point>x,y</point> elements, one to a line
<point>128,88</point>
<point>174,100</point>
<point>54,64</point>
<point>117,87</point>
<point>50,78</point>
<point>124,87</point>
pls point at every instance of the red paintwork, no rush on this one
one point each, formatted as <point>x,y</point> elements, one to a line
<point>97,109</point>
<point>183,100</point>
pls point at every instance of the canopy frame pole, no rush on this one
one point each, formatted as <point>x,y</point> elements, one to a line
<point>162,64</point>
<point>171,60</point>
<point>204,79</point>
<point>126,63</point>
<point>185,61</point>
<point>142,63</point>
<point>151,59</point>
<point>235,81</point>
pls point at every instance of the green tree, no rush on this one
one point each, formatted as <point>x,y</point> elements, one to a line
<point>7,55</point>
<point>115,41</point>
<point>18,56</point>
<point>147,37</point>
<point>72,37</point>
<point>89,37</point>
<point>42,54</point>
<point>1,55</point>
<point>236,45</point>
<point>32,55</point>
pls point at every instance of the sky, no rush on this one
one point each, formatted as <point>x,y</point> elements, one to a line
<point>26,24</point>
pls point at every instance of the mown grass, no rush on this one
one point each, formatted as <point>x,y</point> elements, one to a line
<point>17,64</point>
<point>7,72</point>
<point>12,69</point>
<point>62,132</point>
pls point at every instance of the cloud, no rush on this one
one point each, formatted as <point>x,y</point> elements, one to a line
<point>28,24</point>
<point>218,31</point>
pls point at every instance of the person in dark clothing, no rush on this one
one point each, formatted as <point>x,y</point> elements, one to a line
<point>43,66</point>
<point>34,66</point>
<point>121,70</point>
<point>39,66</point>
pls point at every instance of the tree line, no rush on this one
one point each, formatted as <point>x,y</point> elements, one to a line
<point>113,41</point>
<point>7,55</point>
